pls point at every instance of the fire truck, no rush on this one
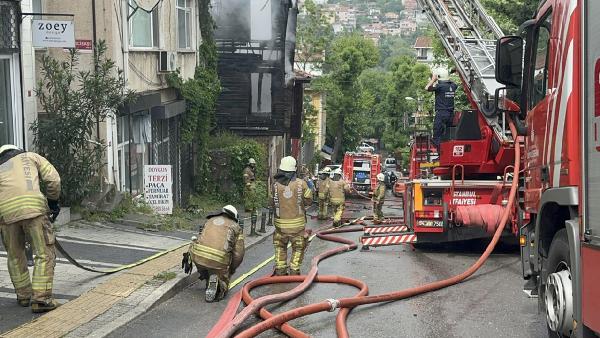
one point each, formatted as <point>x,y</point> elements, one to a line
<point>547,81</point>
<point>360,169</point>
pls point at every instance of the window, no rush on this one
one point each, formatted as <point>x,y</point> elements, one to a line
<point>36,7</point>
<point>184,23</point>
<point>143,27</point>
<point>540,66</point>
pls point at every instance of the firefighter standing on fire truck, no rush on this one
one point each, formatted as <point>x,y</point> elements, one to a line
<point>290,196</point>
<point>378,199</point>
<point>445,90</point>
<point>337,196</point>
<point>323,186</point>
<point>218,252</point>
<point>24,212</point>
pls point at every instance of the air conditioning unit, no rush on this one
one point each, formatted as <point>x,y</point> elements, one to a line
<point>167,61</point>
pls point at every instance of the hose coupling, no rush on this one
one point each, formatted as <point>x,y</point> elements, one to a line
<point>333,303</point>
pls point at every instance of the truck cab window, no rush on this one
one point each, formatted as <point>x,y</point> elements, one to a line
<point>540,66</point>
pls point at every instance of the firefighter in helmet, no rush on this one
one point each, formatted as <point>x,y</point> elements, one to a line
<point>250,198</point>
<point>218,252</point>
<point>337,196</point>
<point>323,186</point>
<point>24,213</point>
<point>378,199</point>
<point>290,196</point>
<point>445,90</point>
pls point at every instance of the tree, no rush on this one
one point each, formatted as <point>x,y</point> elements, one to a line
<point>392,46</point>
<point>510,14</point>
<point>313,36</point>
<point>348,56</point>
<point>74,102</point>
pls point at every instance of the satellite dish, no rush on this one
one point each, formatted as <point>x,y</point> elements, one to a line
<point>147,5</point>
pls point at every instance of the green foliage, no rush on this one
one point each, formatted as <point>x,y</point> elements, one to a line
<point>313,35</point>
<point>201,94</point>
<point>229,156</point>
<point>348,56</point>
<point>391,47</point>
<point>74,102</point>
<point>510,14</point>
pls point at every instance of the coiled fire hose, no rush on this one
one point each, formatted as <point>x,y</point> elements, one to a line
<point>345,304</point>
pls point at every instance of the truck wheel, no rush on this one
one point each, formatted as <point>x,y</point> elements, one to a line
<point>558,294</point>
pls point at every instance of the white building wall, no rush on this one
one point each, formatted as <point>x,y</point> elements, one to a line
<point>28,78</point>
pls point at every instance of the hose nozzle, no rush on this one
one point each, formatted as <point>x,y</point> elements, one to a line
<point>333,303</point>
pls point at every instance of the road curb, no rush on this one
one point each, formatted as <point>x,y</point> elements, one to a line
<point>98,328</point>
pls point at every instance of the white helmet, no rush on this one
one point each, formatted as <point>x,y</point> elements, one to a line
<point>380,177</point>
<point>8,147</point>
<point>442,74</point>
<point>231,211</point>
<point>337,171</point>
<point>288,163</point>
<point>251,161</point>
<point>326,170</point>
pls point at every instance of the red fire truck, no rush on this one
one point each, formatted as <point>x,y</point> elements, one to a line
<point>548,82</point>
<point>361,169</point>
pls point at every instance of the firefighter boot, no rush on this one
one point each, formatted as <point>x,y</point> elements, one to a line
<point>212,288</point>
<point>24,302</point>
<point>294,272</point>
<point>41,307</point>
<point>280,272</point>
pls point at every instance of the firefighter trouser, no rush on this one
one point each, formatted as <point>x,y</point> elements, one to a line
<point>39,230</point>
<point>377,213</point>
<point>322,208</point>
<point>280,242</point>
<point>442,120</point>
<point>338,209</point>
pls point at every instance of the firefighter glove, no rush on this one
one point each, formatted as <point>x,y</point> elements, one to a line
<point>54,208</point>
<point>186,263</point>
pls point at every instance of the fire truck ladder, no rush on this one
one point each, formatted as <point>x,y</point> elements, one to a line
<point>469,36</point>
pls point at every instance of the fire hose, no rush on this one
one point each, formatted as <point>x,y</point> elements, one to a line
<point>346,304</point>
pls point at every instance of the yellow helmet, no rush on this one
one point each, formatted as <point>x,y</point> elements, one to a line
<point>288,163</point>
<point>8,147</point>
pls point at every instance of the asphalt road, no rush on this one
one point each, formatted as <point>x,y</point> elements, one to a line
<point>490,304</point>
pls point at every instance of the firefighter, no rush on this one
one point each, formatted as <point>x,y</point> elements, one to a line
<point>250,198</point>
<point>218,252</point>
<point>323,186</point>
<point>378,199</point>
<point>337,196</point>
<point>24,213</point>
<point>290,196</point>
<point>445,90</point>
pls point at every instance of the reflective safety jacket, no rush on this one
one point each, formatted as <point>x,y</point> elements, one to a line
<point>337,191</point>
<point>220,244</point>
<point>289,202</point>
<point>379,193</point>
<point>20,195</point>
<point>249,177</point>
<point>323,186</point>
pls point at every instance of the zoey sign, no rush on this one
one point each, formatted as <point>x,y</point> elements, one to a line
<point>51,33</point>
<point>158,188</point>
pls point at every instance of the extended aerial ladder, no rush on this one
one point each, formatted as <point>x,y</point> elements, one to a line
<point>469,36</point>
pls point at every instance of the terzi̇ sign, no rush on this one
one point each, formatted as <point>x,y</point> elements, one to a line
<point>52,33</point>
<point>158,188</point>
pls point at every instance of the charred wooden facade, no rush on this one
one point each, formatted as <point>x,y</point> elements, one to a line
<point>255,41</point>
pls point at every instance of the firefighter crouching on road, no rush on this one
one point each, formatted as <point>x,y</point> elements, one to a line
<point>290,196</point>
<point>250,198</point>
<point>323,186</point>
<point>24,212</point>
<point>218,252</point>
<point>378,199</point>
<point>337,196</point>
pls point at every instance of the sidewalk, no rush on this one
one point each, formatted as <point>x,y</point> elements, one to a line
<point>95,305</point>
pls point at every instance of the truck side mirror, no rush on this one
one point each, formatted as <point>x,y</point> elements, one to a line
<point>509,61</point>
